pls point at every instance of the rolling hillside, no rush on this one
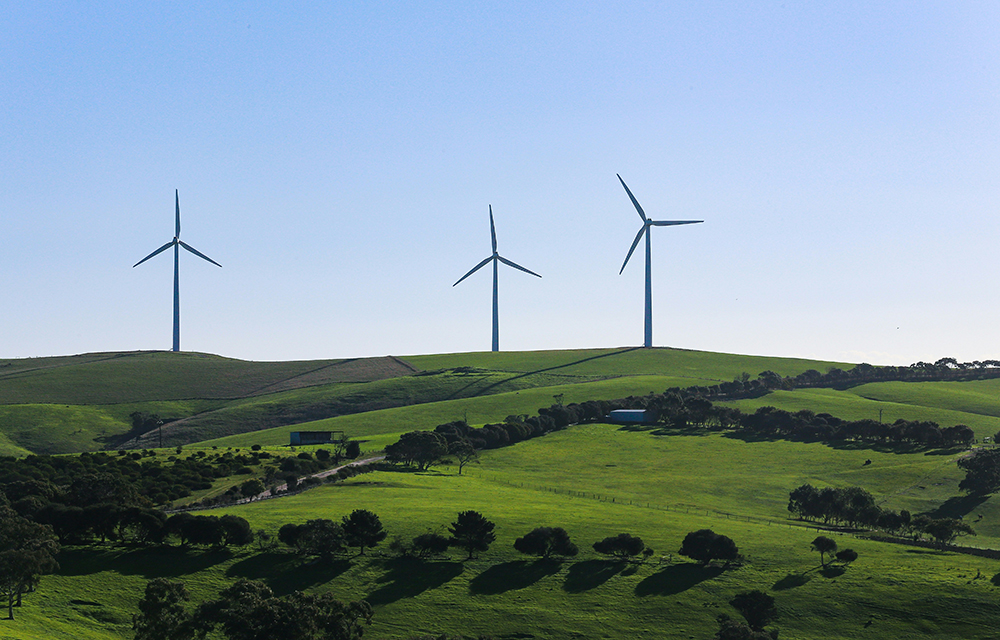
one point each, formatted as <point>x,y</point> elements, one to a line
<point>595,480</point>
<point>82,403</point>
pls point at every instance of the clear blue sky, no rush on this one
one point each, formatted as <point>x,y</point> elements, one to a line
<point>338,158</point>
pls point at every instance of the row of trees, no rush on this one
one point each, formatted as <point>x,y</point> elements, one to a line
<point>807,425</point>
<point>856,507</point>
<point>472,532</point>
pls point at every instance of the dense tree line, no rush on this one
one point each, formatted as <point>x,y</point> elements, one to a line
<point>693,407</point>
<point>247,610</point>
<point>854,507</point>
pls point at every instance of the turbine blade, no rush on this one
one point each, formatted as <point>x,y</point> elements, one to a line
<point>493,230</point>
<point>474,269</point>
<point>516,266</point>
<point>198,253</point>
<point>642,214</point>
<point>177,209</point>
<point>635,243</point>
<point>160,250</point>
<point>671,223</point>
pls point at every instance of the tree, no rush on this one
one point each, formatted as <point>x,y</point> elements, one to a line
<point>824,545</point>
<point>464,453</point>
<point>429,544</point>
<point>162,615</point>
<point>236,530</point>
<point>424,448</point>
<point>730,629</point>
<point>321,537</point>
<point>756,607</point>
<point>705,545</point>
<point>249,610</point>
<point>945,530</point>
<point>27,551</point>
<point>622,546</point>
<point>545,542</point>
<point>352,450</point>
<point>252,488</point>
<point>363,529</point>
<point>472,532</point>
<point>982,472</point>
<point>847,556</point>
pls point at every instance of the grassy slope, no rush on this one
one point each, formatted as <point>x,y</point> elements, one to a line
<point>568,479</point>
<point>493,408</point>
<point>78,403</point>
<point>625,361</point>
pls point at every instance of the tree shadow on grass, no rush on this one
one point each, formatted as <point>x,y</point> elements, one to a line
<point>791,581</point>
<point>996,580</point>
<point>586,575</point>
<point>303,576</point>
<point>264,566</point>
<point>509,576</point>
<point>957,507</point>
<point>155,562</point>
<point>409,577</point>
<point>675,579</point>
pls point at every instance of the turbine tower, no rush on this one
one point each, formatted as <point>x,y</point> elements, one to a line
<point>176,244</point>
<point>496,257</point>
<point>646,224</point>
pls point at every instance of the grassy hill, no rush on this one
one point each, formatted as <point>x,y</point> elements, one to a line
<point>83,403</point>
<point>594,480</point>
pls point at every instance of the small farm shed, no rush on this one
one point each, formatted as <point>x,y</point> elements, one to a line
<point>631,416</point>
<point>311,437</point>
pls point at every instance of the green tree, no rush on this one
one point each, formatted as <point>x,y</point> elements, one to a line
<point>252,488</point>
<point>705,545</point>
<point>320,537</point>
<point>545,542</point>
<point>982,472</point>
<point>424,448</point>
<point>27,551</point>
<point>352,450</point>
<point>464,453</point>
<point>756,607</point>
<point>730,629</point>
<point>824,545</point>
<point>236,530</point>
<point>623,546</point>
<point>945,530</point>
<point>362,529</point>
<point>162,613</point>
<point>429,544</point>
<point>472,532</point>
<point>249,610</point>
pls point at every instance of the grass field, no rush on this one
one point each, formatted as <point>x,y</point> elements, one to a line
<point>203,396</point>
<point>594,480</point>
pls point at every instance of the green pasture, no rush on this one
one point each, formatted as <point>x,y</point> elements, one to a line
<point>478,410</point>
<point>626,361</point>
<point>595,481</point>
<point>163,375</point>
<point>976,396</point>
<point>947,408</point>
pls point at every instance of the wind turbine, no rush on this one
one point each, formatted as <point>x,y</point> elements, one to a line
<point>496,257</point>
<point>646,224</point>
<point>176,244</point>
